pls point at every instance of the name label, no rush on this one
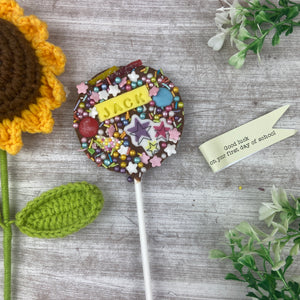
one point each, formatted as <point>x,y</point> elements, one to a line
<point>123,103</point>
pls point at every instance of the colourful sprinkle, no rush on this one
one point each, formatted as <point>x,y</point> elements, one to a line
<point>165,85</point>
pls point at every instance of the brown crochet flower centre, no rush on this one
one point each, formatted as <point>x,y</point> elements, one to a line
<point>20,72</point>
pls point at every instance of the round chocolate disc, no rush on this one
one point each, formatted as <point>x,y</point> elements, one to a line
<point>129,119</point>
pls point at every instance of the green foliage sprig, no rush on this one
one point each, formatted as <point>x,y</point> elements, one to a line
<point>249,25</point>
<point>262,259</point>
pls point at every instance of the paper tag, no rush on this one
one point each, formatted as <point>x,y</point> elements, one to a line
<point>234,145</point>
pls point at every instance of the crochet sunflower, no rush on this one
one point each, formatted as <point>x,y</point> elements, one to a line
<point>29,89</point>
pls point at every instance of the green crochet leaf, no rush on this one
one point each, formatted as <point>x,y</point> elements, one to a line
<point>61,211</point>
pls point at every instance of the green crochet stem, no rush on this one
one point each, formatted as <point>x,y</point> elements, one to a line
<point>7,232</point>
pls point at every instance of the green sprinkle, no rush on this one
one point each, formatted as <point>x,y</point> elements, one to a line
<point>99,144</point>
<point>113,165</point>
<point>91,151</point>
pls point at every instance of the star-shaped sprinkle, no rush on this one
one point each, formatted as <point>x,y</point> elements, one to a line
<point>144,158</point>
<point>140,130</point>
<point>161,130</point>
<point>94,96</point>
<point>153,91</point>
<point>152,146</point>
<point>93,112</point>
<point>111,130</point>
<point>103,95</point>
<point>123,150</point>
<point>131,168</point>
<point>81,88</point>
<point>114,90</point>
<point>133,76</point>
<point>170,149</point>
<point>155,161</point>
<point>174,135</point>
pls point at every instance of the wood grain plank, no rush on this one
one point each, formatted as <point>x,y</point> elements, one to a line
<point>187,207</point>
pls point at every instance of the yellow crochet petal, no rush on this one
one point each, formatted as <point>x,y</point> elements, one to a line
<point>53,90</point>
<point>45,89</point>
<point>51,57</point>
<point>46,120</point>
<point>10,10</point>
<point>11,136</point>
<point>34,30</point>
<point>37,119</point>
<point>30,121</point>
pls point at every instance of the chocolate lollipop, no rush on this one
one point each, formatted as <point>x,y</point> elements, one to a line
<point>128,120</point>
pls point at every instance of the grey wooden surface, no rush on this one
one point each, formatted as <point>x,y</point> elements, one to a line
<point>187,207</point>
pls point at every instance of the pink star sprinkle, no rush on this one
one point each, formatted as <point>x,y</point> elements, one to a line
<point>82,88</point>
<point>155,161</point>
<point>144,158</point>
<point>161,130</point>
<point>95,96</point>
<point>174,134</point>
<point>153,91</point>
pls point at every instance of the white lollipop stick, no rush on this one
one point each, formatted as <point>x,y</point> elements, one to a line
<point>143,239</point>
